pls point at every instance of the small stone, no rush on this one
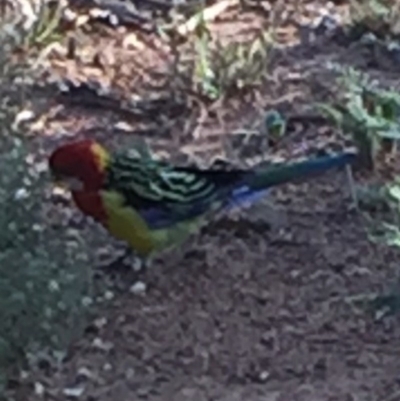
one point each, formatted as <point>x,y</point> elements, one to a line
<point>82,20</point>
<point>129,373</point>
<point>41,167</point>
<point>73,392</point>
<point>121,319</point>
<point>264,375</point>
<point>101,345</point>
<point>107,367</point>
<point>21,193</point>
<point>53,286</point>
<point>87,301</point>
<point>108,295</point>
<point>123,126</point>
<point>24,115</point>
<point>37,227</point>
<point>100,322</point>
<point>138,288</point>
<point>70,15</point>
<point>131,41</point>
<point>137,265</point>
<point>84,373</point>
<point>24,375</point>
<point>268,340</point>
<point>143,392</point>
<point>39,389</point>
<point>218,335</point>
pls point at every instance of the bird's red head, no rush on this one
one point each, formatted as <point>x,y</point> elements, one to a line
<point>82,162</point>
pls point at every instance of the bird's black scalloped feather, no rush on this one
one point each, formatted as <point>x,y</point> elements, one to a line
<point>158,183</point>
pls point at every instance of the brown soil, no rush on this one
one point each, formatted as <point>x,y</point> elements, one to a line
<point>247,313</point>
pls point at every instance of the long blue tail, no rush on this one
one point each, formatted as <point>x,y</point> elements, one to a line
<point>256,184</point>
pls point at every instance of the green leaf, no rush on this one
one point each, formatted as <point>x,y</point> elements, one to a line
<point>391,133</point>
<point>394,191</point>
<point>330,112</point>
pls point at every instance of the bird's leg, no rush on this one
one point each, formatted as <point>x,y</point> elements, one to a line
<point>139,264</point>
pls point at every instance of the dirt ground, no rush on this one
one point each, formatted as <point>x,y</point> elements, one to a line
<point>271,317</point>
<point>243,312</point>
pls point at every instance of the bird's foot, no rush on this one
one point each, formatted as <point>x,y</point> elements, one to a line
<point>126,263</point>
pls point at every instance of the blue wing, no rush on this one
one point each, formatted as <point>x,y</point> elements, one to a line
<point>162,216</point>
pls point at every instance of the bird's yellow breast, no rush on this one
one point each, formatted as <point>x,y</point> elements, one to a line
<point>125,223</point>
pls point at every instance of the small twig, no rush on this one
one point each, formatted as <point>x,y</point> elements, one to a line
<point>350,179</point>
<point>202,147</point>
<point>207,14</point>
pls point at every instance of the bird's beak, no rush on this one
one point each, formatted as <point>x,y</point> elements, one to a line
<point>67,182</point>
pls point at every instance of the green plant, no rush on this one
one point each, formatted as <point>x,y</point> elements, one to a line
<point>366,113</point>
<point>42,29</point>
<point>213,68</point>
<point>383,223</point>
<point>380,17</point>
<point>45,29</point>
<point>222,68</point>
<point>386,229</point>
<point>45,280</point>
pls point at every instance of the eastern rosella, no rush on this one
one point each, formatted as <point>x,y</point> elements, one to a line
<point>152,204</point>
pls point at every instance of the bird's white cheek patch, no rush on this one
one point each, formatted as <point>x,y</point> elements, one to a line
<point>73,184</point>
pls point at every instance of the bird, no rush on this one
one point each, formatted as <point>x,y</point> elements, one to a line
<point>273,125</point>
<point>152,204</point>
